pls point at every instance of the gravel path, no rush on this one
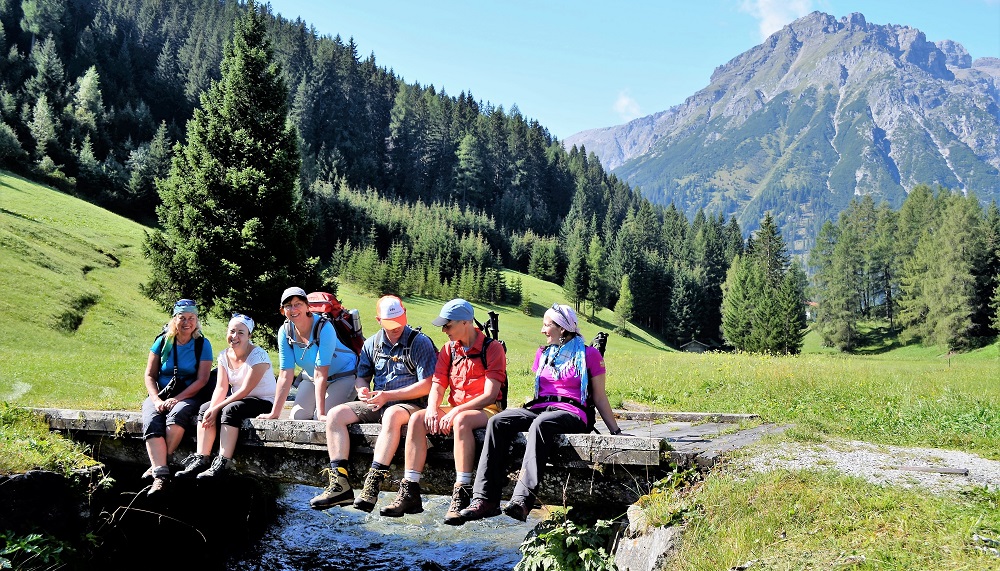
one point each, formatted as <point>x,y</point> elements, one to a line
<point>892,465</point>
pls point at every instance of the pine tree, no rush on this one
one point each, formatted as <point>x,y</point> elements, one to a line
<point>624,308</point>
<point>42,126</point>
<point>738,303</point>
<point>88,110</point>
<point>234,231</point>
<point>792,310</point>
<point>596,285</point>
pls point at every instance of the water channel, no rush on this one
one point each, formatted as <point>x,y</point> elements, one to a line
<point>346,538</point>
<point>240,524</point>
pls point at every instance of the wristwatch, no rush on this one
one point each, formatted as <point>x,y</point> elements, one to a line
<point>616,432</point>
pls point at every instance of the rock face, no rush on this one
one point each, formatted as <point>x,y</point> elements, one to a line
<point>824,110</point>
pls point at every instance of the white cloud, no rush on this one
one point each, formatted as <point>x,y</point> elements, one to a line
<point>772,15</point>
<point>626,107</point>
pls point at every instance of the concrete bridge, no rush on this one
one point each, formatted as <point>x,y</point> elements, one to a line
<point>588,470</point>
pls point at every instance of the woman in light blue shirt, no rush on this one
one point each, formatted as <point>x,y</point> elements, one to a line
<point>328,369</point>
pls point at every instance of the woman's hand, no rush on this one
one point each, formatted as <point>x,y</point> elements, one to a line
<point>211,415</point>
<point>166,405</point>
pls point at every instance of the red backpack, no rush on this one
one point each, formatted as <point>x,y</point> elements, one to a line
<point>346,322</point>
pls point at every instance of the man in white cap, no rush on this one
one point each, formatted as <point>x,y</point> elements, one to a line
<point>473,369</point>
<point>328,368</point>
<point>394,377</point>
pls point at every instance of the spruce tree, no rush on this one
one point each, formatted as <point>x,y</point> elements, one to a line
<point>738,303</point>
<point>624,308</point>
<point>234,227</point>
<point>792,310</point>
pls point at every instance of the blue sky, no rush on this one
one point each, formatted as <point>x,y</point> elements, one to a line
<point>576,65</point>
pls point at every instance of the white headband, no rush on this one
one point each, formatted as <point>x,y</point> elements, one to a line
<point>245,320</point>
<point>563,316</point>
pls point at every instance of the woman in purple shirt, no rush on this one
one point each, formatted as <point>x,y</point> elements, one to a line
<point>568,375</point>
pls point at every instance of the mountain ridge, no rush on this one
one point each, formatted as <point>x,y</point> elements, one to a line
<point>821,111</point>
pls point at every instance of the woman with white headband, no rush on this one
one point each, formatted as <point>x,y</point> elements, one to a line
<point>569,386</point>
<point>245,389</point>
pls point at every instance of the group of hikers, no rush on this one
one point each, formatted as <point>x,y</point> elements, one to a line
<point>397,379</point>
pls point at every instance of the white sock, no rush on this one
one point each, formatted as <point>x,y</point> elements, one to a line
<point>411,475</point>
<point>464,478</point>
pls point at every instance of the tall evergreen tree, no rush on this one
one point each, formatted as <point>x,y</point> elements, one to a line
<point>624,309</point>
<point>234,230</point>
<point>738,303</point>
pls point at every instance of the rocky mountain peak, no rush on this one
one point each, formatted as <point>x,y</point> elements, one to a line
<point>823,110</point>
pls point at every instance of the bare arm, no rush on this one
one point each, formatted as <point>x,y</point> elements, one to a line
<point>410,392</point>
<point>150,380</point>
<point>433,408</point>
<point>319,379</point>
<point>285,378</point>
<point>597,385</point>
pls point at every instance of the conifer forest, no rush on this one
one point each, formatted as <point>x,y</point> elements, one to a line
<point>262,152</point>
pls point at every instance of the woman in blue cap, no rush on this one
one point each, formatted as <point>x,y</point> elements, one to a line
<point>245,389</point>
<point>180,361</point>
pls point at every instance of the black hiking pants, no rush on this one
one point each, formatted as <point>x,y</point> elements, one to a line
<point>541,426</point>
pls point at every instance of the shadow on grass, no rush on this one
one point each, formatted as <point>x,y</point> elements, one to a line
<point>878,340</point>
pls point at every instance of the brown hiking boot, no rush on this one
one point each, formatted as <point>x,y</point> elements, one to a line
<point>480,508</point>
<point>337,493</point>
<point>461,495</point>
<point>369,491</point>
<point>159,485</point>
<point>407,500</point>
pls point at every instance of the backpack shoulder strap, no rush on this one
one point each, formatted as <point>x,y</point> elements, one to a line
<point>162,334</point>
<point>199,344</point>
<point>482,354</point>
<point>317,327</point>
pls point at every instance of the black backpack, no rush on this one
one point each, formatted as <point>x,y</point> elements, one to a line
<point>407,356</point>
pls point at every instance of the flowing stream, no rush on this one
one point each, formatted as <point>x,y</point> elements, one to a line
<point>348,539</point>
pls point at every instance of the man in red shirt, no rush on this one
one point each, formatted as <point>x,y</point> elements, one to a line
<point>473,369</point>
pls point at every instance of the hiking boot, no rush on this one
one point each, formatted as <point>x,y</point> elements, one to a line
<point>480,508</point>
<point>407,500</point>
<point>517,508</point>
<point>160,484</point>
<point>219,466</point>
<point>369,491</point>
<point>461,495</point>
<point>194,465</point>
<point>147,474</point>
<point>337,493</point>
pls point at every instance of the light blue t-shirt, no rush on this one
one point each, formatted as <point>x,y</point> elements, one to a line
<point>187,361</point>
<point>329,352</point>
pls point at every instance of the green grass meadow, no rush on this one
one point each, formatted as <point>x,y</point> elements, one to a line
<point>75,332</point>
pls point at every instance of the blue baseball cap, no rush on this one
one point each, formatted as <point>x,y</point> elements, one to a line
<point>454,310</point>
<point>185,306</point>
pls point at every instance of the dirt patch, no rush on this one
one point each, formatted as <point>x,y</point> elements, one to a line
<point>935,469</point>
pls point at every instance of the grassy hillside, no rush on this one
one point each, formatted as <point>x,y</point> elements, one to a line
<point>75,329</point>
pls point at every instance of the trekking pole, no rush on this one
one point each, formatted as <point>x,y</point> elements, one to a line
<point>600,342</point>
<point>494,324</point>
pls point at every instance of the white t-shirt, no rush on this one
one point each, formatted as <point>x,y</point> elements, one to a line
<point>267,386</point>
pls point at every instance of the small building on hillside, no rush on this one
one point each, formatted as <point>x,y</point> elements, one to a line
<point>695,346</point>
